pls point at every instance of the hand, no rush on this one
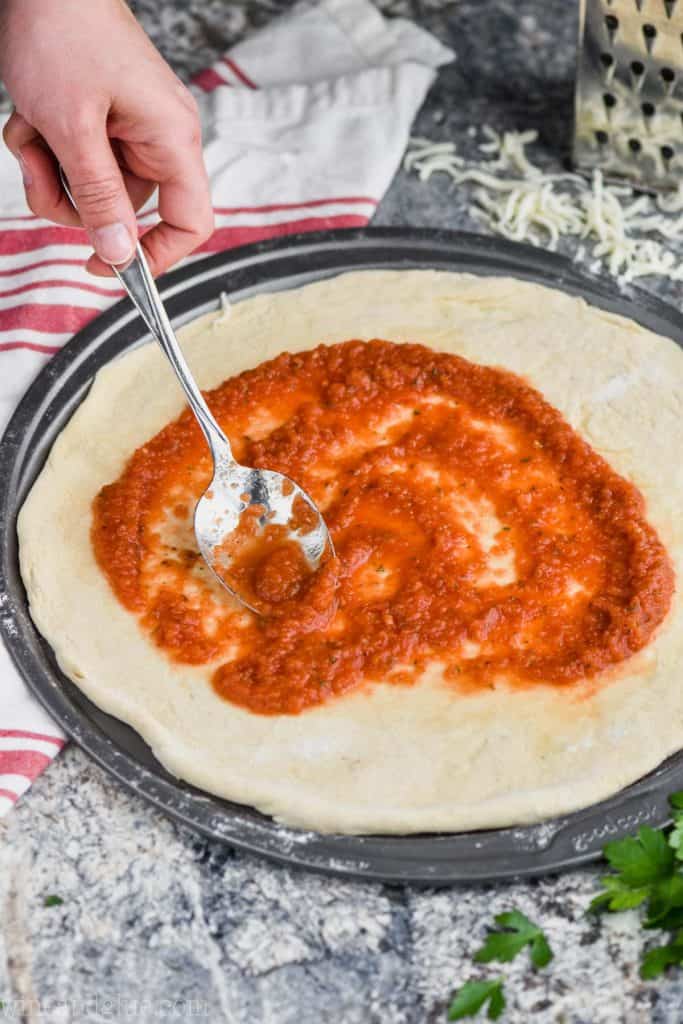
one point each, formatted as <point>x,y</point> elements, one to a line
<point>91,91</point>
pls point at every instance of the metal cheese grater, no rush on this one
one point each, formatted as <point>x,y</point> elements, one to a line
<point>629,91</point>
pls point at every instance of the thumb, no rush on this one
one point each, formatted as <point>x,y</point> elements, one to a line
<point>103,204</point>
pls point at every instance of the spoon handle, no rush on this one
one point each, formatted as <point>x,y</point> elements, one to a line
<point>138,282</point>
<point>140,286</point>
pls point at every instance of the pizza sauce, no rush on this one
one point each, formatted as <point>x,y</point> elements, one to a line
<point>474,529</point>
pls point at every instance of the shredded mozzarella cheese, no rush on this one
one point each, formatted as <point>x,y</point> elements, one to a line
<point>528,205</point>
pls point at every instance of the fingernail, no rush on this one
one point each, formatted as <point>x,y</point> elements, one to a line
<point>112,243</point>
<point>26,175</point>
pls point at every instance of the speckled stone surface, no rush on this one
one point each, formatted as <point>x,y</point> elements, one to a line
<point>158,924</point>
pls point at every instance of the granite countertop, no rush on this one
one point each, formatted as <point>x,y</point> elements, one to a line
<point>159,924</point>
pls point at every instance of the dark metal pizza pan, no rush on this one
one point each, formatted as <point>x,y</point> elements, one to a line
<point>50,401</point>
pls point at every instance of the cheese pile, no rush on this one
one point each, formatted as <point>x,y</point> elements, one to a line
<point>520,201</point>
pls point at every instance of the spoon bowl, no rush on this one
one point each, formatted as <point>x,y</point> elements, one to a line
<point>249,504</point>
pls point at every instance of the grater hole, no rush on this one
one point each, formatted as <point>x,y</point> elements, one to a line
<point>612,23</point>
<point>648,109</point>
<point>667,153</point>
<point>638,68</point>
<point>667,75</point>
<point>601,137</point>
<point>649,30</point>
<point>607,60</point>
<point>609,100</point>
<point>634,145</point>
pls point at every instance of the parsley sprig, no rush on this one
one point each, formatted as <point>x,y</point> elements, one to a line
<point>643,870</point>
<point>648,871</point>
<point>515,932</point>
<point>473,995</point>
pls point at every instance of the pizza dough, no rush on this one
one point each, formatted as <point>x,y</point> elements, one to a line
<point>384,758</point>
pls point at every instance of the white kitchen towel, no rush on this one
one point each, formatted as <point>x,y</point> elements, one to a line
<point>305,124</point>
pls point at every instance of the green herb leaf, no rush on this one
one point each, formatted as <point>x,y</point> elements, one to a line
<point>676,838</point>
<point>518,933</point>
<point>656,960</point>
<point>648,869</point>
<point>501,946</point>
<point>670,922</point>
<point>676,834</point>
<point>641,860</point>
<point>666,896</point>
<point>541,953</point>
<point>496,1003</point>
<point>53,901</point>
<point>473,995</point>
<point>618,895</point>
<point>644,871</point>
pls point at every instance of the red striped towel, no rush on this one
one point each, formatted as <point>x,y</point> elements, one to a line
<point>305,125</point>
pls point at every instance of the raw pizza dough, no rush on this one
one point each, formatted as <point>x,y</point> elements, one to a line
<point>383,759</point>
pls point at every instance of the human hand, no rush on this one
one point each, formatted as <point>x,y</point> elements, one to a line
<point>92,92</point>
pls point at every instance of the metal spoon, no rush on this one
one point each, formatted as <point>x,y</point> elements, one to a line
<point>234,488</point>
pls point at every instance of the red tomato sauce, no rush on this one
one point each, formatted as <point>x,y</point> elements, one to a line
<point>474,528</point>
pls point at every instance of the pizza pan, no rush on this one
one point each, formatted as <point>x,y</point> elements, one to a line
<point>194,289</point>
